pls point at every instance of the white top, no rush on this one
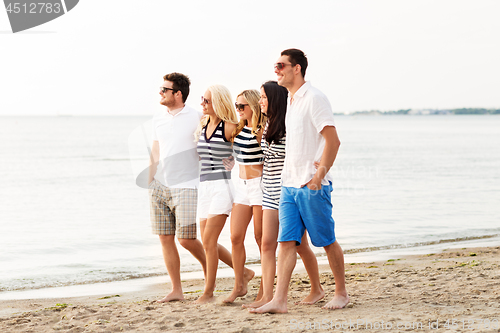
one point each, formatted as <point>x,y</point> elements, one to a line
<point>179,162</point>
<point>306,117</point>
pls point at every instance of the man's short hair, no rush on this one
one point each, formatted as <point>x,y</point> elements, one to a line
<point>296,56</point>
<point>179,82</point>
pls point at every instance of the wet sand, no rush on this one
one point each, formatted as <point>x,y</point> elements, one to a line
<point>453,290</point>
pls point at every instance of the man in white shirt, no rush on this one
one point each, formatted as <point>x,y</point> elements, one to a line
<point>306,190</point>
<point>173,178</point>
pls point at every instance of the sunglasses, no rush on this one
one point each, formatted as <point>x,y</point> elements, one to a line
<point>280,65</point>
<point>165,89</point>
<point>240,107</point>
<point>204,100</point>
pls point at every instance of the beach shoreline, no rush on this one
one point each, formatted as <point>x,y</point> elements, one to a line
<point>455,285</point>
<point>141,284</point>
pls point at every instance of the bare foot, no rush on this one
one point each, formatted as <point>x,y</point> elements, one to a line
<point>247,276</point>
<point>337,302</point>
<point>205,299</point>
<point>312,298</point>
<point>235,294</point>
<point>173,296</point>
<point>271,307</point>
<point>256,304</point>
<point>243,289</point>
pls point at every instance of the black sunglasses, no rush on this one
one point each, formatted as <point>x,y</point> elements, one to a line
<point>240,107</point>
<point>165,89</point>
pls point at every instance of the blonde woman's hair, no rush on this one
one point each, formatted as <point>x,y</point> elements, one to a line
<point>252,97</point>
<point>223,106</point>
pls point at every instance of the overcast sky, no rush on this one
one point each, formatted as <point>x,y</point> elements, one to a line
<point>108,57</point>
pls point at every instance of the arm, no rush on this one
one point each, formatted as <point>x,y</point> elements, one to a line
<point>229,129</point>
<point>332,144</point>
<point>228,132</point>
<point>153,160</point>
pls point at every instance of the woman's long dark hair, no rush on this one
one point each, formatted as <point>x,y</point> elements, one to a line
<point>276,111</point>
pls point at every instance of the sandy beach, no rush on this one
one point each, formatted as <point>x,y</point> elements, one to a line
<point>453,290</point>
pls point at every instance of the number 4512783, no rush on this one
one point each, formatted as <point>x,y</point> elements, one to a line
<point>34,8</point>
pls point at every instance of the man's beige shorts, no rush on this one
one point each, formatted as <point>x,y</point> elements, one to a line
<point>173,210</point>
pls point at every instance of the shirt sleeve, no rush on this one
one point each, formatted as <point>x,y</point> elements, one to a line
<point>321,113</point>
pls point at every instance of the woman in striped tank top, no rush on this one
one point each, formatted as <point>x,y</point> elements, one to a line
<point>248,197</point>
<point>273,101</point>
<point>215,195</point>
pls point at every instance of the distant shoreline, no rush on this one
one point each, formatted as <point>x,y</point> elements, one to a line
<point>424,112</point>
<point>412,112</point>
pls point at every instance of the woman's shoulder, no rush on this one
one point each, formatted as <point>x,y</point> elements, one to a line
<point>229,129</point>
<point>229,126</point>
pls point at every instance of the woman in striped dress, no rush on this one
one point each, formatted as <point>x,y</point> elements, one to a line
<point>248,197</point>
<point>273,101</point>
<point>215,194</point>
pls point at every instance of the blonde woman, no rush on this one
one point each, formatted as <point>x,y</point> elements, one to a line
<point>215,194</point>
<point>248,197</point>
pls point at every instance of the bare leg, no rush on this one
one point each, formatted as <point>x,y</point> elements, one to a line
<point>311,265</point>
<point>257,228</point>
<point>240,218</point>
<point>270,228</point>
<point>196,248</point>
<point>172,261</point>
<point>287,258</point>
<point>224,254</point>
<point>336,261</point>
<point>212,228</point>
<point>257,213</point>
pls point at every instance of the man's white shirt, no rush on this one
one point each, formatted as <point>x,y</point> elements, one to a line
<point>306,117</point>
<point>179,163</point>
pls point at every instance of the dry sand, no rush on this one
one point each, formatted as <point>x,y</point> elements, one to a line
<point>458,286</point>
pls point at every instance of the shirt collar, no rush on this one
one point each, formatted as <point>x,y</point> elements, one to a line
<point>302,90</point>
<point>183,110</point>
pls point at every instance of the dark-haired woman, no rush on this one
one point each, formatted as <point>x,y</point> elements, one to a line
<point>273,102</point>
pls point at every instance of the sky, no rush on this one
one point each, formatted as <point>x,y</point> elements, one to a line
<point>109,57</point>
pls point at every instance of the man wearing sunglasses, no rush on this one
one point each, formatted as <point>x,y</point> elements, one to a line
<point>311,147</point>
<point>173,178</point>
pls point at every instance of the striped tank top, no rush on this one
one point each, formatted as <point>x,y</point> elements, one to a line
<point>211,151</point>
<point>247,148</point>
<point>274,159</point>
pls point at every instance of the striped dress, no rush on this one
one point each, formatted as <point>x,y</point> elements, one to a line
<point>247,148</point>
<point>274,159</point>
<point>211,151</point>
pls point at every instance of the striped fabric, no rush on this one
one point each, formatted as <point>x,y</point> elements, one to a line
<point>247,148</point>
<point>211,151</point>
<point>274,159</point>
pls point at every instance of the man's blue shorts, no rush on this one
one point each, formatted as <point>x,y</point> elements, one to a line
<point>301,209</point>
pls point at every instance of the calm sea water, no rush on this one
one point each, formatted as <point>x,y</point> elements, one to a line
<point>71,212</point>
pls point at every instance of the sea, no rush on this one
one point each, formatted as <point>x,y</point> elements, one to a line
<point>73,212</point>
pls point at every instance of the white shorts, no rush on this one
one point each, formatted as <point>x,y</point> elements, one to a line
<point>215,197</point>
<point>248,192</point>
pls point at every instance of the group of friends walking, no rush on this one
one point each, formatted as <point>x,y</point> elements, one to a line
<point>284,143</point>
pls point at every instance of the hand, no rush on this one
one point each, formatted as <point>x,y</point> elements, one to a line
<point>314,184</point>
<point>228,163</point>
<point>316,164</point>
